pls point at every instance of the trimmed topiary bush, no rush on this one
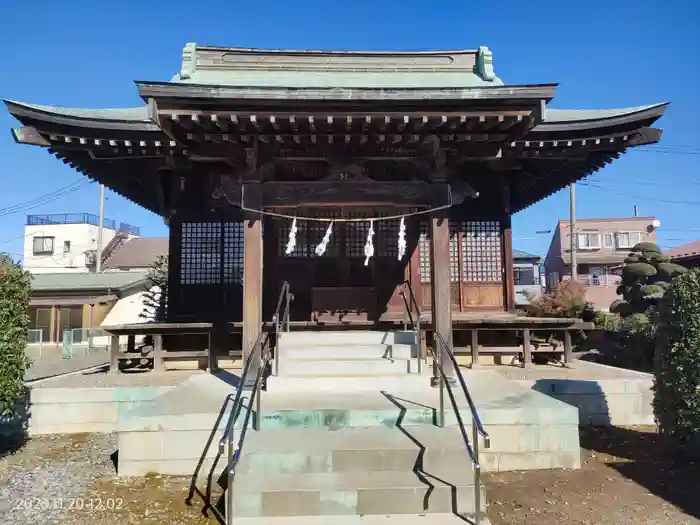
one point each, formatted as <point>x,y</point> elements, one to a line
<point>677,359</point>
<point>155,301</point>
<point>15,289</point>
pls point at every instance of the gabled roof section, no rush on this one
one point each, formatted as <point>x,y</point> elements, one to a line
<point>686,251</point>
<point>139,252</point>
<point>246,67</point>
<point>65,282</point>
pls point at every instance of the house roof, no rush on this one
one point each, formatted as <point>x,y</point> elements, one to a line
<point>686,251</point>
<point>139,252</point>
<point>517,254</point>
<point>65,282</point>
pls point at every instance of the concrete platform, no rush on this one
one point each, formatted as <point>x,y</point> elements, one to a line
<point>390,519</point>
<point>529,430</point>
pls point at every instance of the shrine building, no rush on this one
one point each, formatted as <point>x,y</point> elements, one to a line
<point>404,166</point>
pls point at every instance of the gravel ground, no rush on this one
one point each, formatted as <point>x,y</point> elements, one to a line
<point>54,366</point>
<point>71,480</point>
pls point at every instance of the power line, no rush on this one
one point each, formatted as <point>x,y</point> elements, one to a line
<point>653,199</point>
<point>45,199</point>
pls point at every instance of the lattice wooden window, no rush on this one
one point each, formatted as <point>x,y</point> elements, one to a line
<point>482,252</point>
<point>424,253</point>
<point>233,252</point>
<point>455,231</point>
<point>200,253</point>
<point>387,238</point>
<point>355,238</point>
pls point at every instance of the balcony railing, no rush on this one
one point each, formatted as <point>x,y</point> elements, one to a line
<point>81,218</point>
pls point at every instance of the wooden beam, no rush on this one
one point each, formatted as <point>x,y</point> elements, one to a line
<point>441,303</point>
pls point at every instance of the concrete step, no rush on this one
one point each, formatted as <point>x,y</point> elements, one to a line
<point>360,449</point>
<point>357,337</point>
<point>343,367</point>
<point>354,493</point>
<point>398,382</point>
<point>350,351</point>
<point>390,519</point>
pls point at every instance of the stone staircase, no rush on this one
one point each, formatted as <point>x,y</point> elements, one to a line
<point>347,354</point>
<point>377,459</point>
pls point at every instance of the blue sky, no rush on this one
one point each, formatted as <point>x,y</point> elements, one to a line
<point>603,53</point>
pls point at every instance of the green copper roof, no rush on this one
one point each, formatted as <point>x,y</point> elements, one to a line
<point>577,115</point>
<point>50,282</point>
<point>225,66</point>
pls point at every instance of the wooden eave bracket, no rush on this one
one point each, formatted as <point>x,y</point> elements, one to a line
<point>29,135</point>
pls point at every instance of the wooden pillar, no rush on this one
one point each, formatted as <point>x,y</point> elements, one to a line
<point>509,276</point>
<point>252,286</point>
<point>527,349</point>
<point>568,355</point>
<point>114,354</point>
<point>475,348</point>
<point>440,280</point>
<point>158,353</point>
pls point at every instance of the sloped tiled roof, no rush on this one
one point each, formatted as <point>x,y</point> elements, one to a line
<point>63,282</point>
<point>517,254</point>
<point>139,252</point>
<point>685,251</point>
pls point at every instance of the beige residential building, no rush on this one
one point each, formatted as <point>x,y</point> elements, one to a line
<point>602,245</point>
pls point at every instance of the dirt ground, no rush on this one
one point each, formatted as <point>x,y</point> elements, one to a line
<point>628,476</point>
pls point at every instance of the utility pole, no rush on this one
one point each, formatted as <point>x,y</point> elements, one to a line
<point>572,230</point>
<point>98,260</point>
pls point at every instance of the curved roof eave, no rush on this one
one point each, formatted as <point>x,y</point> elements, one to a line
<point>131,119</point>
<point>582,119</point>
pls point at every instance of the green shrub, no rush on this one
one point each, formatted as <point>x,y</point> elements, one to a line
<point>156,298</point>
<point>15,289</point>
<point>677,359</point>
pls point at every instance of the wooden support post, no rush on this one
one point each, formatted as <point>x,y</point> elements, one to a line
<point>158,353</point>
<point>567,348</point>
<point>527,349</point>
<point>131,343</point>
<point>475,348</point>
<point>252,290</point>
<point>507,232</point>
<point>441,303</point>
<point>212,364</point>
<point>114,354</point>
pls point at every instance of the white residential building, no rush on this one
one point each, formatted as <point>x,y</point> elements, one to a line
<point>63,243</point>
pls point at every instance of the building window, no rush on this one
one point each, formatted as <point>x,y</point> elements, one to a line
<point>233,252</point>
<point>589,241</point>
<point>626,240</point>
<point>40,325</point>
<point>43,245</point>
<point>608,240</point>
<point>525,276</point>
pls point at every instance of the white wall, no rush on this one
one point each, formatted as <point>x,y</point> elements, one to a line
<point>82,237</point>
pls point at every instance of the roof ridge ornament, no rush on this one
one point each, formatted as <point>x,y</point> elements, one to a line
<point>484,64</point>
<point>189,60</point>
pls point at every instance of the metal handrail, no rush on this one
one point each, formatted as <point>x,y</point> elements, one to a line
<point>444,384</point>
<point>227,438</point>
<point>284,322</point>
<point>414,323</point>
